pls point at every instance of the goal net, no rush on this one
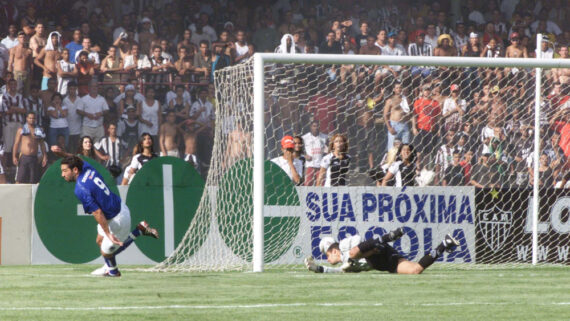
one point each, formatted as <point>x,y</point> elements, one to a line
<point>472,128</point>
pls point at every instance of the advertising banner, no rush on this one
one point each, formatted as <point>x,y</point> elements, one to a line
<point>504,226</point>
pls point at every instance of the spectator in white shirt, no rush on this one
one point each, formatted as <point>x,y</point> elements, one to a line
<point>136,61</point>
<point>545,52</point>
<point>93,109</point>
<point>11,39</point>
<point>73,103</point>
<point>453,109</point>
<point>202,111</point>
<point>315,149</point>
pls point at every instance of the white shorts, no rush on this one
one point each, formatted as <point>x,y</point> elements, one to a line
<point>120,226</point>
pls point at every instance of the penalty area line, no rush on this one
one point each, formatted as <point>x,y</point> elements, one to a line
<point>251,306</point>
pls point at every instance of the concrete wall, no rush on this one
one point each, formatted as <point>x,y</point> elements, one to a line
<point>16,212</point>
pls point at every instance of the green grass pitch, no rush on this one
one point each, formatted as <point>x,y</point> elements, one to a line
<point>68,292</point>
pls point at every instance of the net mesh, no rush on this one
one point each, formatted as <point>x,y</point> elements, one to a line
<point>472,133</point>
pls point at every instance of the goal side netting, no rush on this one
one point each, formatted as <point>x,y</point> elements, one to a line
<point>472,126</point>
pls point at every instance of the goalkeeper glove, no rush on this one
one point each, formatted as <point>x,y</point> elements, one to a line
<point>312,266</point>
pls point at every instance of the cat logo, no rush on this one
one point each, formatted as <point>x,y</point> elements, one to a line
<point>495,226</point>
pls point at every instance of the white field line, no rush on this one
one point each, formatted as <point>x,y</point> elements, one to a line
<point>255,306</point>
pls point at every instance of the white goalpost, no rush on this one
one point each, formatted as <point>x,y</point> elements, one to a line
<point>252,217</point>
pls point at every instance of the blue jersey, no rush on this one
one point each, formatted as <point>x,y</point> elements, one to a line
<point>94,194</point>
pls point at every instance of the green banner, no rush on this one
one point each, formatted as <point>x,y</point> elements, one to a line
<point>166,193</point>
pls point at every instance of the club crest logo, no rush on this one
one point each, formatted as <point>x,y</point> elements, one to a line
<point>495,225</point>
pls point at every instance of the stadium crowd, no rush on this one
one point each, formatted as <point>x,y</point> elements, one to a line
<point>90,77</point>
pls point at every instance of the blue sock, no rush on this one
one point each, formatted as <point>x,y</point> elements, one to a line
<point>111,264</point>
<point>133,236</point>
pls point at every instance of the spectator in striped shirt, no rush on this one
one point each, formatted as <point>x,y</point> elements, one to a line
<point>420,48</point>
<point>112,146</point>
<point>13,113</point>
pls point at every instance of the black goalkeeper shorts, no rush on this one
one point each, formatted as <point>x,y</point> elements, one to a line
<point>385,258</point>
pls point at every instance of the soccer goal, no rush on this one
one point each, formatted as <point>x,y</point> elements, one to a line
<point>491,138</point>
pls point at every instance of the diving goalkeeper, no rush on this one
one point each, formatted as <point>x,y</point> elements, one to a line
<point>374,254</point>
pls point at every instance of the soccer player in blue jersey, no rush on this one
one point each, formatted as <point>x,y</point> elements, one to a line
<point>113,216</point>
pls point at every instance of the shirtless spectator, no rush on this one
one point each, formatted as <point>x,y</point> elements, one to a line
<point>397,113</point>
<point>445,46</point>
<point>184,64</point>
<point>169,136</point>
<point>20,63</point>
<point>516,50</point>
<point>238,146</point>
<point>29,139</point>
<point>85,71</point>
<point>145,36</point>
<point>185,42</point>
<point>13,112</point>
<point>369,48</point>
<point>497,106</point>
<point>48,57</point>
<point>38,40</point>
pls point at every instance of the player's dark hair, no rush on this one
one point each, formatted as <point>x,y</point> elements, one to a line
<point>333,246</point>
<point>73,162</point>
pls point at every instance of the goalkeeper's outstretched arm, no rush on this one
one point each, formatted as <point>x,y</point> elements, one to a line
<point>313,266</point>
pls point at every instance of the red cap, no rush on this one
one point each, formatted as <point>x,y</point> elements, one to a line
<point>454,87</point>
<point>287,142</point>
<point>514,35</point>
